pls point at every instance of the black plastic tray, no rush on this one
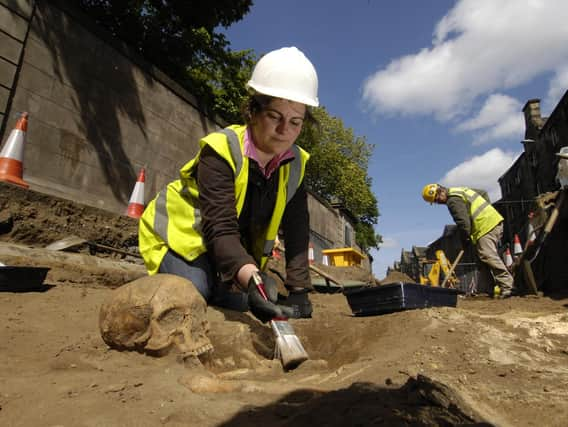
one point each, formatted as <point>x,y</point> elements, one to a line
<point>398,296</point>
<point>19,278</point>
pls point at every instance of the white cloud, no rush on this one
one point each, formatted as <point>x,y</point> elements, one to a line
<point>479,47</point>
<point>498,119</point>
<point>557,87</point>
<point>482,172</point>
<point>389,242</point>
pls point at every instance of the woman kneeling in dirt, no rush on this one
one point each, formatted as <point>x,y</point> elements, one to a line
<point>217,224</point>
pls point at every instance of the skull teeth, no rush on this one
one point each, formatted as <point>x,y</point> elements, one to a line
<point>200,350</point>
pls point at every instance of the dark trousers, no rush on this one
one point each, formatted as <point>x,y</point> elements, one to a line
<point>203,276</point>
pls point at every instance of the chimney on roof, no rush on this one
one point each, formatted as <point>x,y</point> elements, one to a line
<point>533,119</point>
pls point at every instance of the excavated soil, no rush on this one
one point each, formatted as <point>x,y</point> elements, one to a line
<point>484,362</point>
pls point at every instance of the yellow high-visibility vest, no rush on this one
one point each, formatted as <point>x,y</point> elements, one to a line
<point>172,219</point>
<point>484,217</point>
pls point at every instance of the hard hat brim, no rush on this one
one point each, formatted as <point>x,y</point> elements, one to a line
<point>282,94</point>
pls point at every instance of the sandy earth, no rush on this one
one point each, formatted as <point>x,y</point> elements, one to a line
<point>484,362</point>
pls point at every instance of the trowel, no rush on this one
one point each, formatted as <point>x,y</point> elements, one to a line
<point>73,241</point>
<point>66,243</point>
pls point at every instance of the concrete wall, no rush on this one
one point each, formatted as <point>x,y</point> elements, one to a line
<point>14,23</point>
<point>328,229</point>
<point>325,226</point>
<point>97,112</point>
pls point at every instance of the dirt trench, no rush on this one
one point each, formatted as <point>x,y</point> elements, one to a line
<point>484,362</point>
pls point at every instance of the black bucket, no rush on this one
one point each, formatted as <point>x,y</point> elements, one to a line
<point>19,278</point>
<point>398,296</point>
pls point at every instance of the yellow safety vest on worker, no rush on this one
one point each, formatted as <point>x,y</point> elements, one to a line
<point>172,219</point>
<point>484,217</point>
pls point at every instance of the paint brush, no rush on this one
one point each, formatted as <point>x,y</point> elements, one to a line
<point>288,348</point>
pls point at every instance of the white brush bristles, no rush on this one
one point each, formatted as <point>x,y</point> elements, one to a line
<point>288,348</point>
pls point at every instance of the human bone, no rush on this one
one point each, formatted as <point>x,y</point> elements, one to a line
<point>156,314</point>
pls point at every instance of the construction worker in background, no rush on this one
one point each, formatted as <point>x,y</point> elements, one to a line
<point>478,223</point>
<point>217,224</point>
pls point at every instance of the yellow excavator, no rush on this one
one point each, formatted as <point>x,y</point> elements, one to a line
<point>432,271</point>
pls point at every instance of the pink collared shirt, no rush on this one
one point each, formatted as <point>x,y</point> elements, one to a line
<point>251,153</point>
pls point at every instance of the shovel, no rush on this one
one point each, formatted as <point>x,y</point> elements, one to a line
<point>452,268</point>
<point>531,251</point>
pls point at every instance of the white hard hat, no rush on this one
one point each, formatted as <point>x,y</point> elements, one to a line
<point>286,73</point>
<point>563,153</point>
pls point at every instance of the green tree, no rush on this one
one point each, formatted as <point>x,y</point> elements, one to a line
<point>180,38</point>
<point>337,171</point>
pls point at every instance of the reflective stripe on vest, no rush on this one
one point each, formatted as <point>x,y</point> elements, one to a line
<point>471,197</point>
<point>294,178</point>
<point>235,148</point>
<point>484,217</point>
<point>161,215</point>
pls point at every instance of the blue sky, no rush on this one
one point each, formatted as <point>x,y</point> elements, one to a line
<point>437,87</point>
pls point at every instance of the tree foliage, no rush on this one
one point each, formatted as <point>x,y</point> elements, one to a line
<point>180,37</point>
<point>337,171</point>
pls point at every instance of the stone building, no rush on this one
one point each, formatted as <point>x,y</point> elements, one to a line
<point>529,188</point>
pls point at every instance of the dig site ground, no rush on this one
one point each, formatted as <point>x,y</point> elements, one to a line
<point>483,362</point>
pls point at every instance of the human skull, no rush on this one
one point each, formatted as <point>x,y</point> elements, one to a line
<point>155,314</point>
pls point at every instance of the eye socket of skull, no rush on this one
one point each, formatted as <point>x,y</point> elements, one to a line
<point>166,329</point>
<point>171,318</point>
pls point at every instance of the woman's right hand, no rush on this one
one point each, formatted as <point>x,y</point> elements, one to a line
<point>266,309</point>
<point>244,274</point>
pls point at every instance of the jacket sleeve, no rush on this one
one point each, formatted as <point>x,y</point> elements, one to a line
<point>296,229</point>
<point>460,213</point>
<point>220,226</point>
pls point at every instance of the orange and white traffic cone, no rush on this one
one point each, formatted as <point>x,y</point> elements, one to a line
<point>531,235</point>
<point>517,247</point>
<point>12,155</point>
<point>508,258</point>
<point>325,260</point>
<point>311,258</point>
<point>136,203</point>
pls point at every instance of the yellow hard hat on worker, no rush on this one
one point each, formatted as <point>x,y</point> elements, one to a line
<point>286,73</point>
<point>429,192</point>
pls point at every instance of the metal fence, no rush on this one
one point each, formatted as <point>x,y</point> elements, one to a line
<point>469,278</point>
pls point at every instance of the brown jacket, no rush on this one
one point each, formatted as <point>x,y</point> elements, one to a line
<point>228,238</point>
